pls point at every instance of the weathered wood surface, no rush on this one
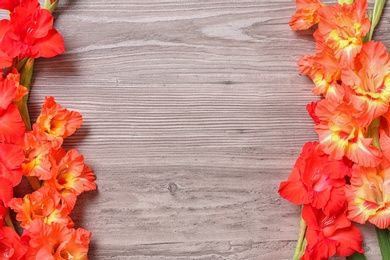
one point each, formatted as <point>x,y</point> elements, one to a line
<point>194,112</point>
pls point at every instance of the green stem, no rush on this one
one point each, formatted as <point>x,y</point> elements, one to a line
<point>383,236</point>
<point>34,182</point>
<point>8,220</point>
<point>375,16</point>
<point>373,132</point>
<point>302,243</point>
<point>26,72</point>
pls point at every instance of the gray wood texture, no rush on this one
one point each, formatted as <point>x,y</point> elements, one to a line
<point>194,113</point>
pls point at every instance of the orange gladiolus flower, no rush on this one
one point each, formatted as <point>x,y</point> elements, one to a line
<point>340,135</point>
<point>369,196</point>
<point>306,15</point>
<point>71,177</point>
<point>37,157</point>
<point>56,122</point>
<point>45,204</point>
<point>56,242</point>
<point>343,28</point>
<point>325,71</point>
<point>370,79</point>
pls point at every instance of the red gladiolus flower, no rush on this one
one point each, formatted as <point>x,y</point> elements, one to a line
<point>31,33</point>
<point>11,246</point>
<point>330,235</point>
<point>311,181</point>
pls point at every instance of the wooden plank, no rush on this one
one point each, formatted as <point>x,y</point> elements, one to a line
<point>194,112</point>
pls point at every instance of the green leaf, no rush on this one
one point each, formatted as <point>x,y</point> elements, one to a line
<point>383,236</point>
<point>356,256</point>
<point>374,17</point>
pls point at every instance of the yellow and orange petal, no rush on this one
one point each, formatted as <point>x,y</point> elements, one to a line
<point>56,122</point>
<point>77,247</point>
<point>72,174</point>
<point>306,15</point>
<point>325,71</point>
<point>343,28</point>
<point>339,135</point>
<point>370,81</point>
<point>45,240</point>
<point>37,161</point>
<point>368,198</point>
<point>45,204</point>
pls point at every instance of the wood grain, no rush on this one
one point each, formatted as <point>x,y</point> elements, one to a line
<point>194,113</point>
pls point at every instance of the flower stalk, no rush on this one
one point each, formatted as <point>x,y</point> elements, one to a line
<point>26,72</point>
<point>302,243</point>
<point>375,16</point>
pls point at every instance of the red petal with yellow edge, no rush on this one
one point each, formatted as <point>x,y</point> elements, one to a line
<point>12,126</point>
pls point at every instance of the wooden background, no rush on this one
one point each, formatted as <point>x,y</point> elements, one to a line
<point>194,113</point>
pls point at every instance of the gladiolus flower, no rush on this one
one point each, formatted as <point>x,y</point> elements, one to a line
<point>31,33</point>
<point>56,122</point>
<point>56,241</point>
<point>71,177</point>
<point>37,157</point>
<point>309,183</point>
<point>343,28</point>
<point>370,79</point>
<point>325,71</point>
<point>368,196</point>
<point>330,235</point>
<point>45,204</point>
<point>306,15</point>
<point>340,135</point>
